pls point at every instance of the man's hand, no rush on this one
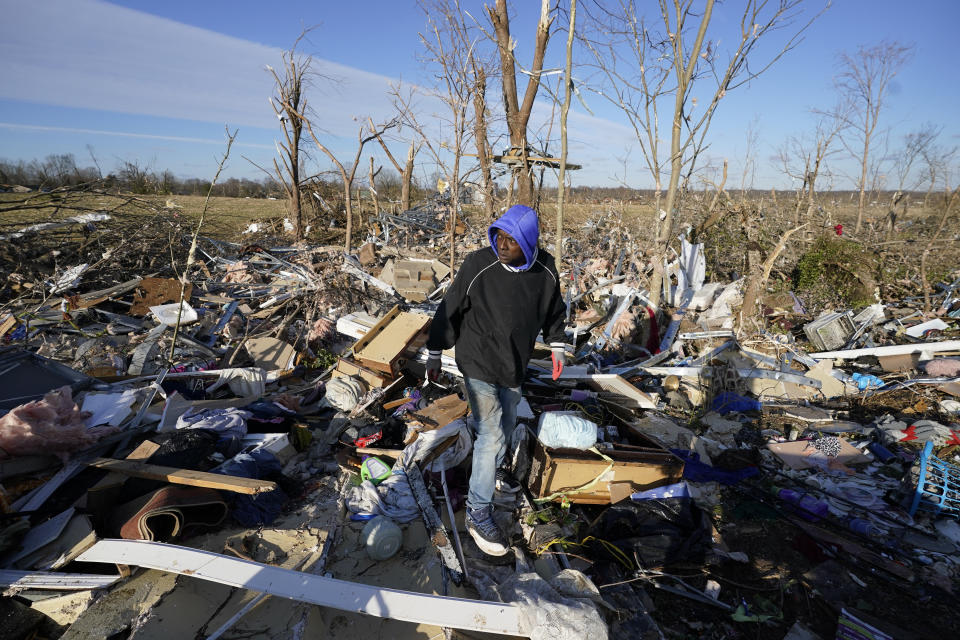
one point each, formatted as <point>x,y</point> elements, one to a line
<point>559,359</point>
<point>433,365</point>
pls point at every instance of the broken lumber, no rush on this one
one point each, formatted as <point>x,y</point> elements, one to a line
<point>184,476</point>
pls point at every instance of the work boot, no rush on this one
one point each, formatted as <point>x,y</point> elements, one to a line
<point>485,532</point>
<point>505,482</point>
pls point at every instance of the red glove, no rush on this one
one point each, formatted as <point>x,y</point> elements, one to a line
<point>558,357</point>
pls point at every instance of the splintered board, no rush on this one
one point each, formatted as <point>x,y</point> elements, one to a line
<point>383,347</point>
<point>184,476</point>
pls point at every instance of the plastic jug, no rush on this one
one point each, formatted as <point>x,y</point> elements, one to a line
<point>374,469</point>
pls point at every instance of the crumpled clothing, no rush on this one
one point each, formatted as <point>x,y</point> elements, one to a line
<point>560,608</point>
<point>392,498</point>
<point>345,393</point>
<point>262,508</point>
<point>243,382</point>
<point>228,423</point>
<point>427,440</point>
<point>696,471</point>
<point>891,431</point>
<point>52,425</point>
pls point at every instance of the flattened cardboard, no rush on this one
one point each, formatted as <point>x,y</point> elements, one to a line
<point>271,354</point>
<point>900,363</point>
<point>645,466</point>
<point>796,454</point>
<point>155,291</point>
<point>442,412</point>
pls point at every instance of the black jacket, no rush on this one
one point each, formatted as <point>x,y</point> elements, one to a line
<point>493,316</point>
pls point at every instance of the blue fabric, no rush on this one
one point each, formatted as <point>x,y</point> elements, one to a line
<point>262,508</point>
<point>494,409</point>
<point>696,471</point>
<point>728,402</point>
<point>865,381</point>
<point>522,225</point>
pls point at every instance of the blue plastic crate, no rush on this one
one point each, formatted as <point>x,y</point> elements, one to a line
<point>938,486</point>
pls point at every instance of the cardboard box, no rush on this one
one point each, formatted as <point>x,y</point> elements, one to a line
<point>388,344</point>
<point>645,464</point>
<point>375,379</point>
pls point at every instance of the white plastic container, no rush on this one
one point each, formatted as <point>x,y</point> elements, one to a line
<point>167,314</point>
<point>382,537</point>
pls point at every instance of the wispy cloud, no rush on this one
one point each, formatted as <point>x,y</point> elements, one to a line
<point>95,55</point>
<point>125,134</point>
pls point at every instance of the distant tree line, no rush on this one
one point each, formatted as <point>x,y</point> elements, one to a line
<point>62,170</point>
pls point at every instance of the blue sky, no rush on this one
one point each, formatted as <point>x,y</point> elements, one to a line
<point>155,82</point>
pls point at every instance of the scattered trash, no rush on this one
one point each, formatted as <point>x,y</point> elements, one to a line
<point>686,464</point>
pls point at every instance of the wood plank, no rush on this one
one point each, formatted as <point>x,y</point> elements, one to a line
<point>184,476</point>
<point>143,452</point>
<point>443,611</point>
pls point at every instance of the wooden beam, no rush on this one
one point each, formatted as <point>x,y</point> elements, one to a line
<point>458,613</point>
<point>184,476</point>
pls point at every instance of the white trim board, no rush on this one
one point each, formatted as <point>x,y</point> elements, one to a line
<point>11,578</point>
<point>460,613</point>
<point>889,350</point>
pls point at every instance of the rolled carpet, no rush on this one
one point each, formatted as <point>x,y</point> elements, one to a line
<point>167,513</point>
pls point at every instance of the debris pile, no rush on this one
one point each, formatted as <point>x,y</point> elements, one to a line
<point>258,418</point>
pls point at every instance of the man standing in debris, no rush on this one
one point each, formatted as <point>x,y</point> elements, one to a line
<point>502,297</point>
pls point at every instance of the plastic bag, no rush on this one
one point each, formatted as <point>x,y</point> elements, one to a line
<point>566,429</point>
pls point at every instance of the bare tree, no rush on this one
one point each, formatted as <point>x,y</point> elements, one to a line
<point>665,61</point>
<point>373,189</point>
<point>564,111</point>
<point>480,139</point>
<point>864,80</point>
<point>289,103</point>
<point>405,171</point>
<point>517,113</point>
<point>348,174</point>
<point>449,47</point>
<point>804,157</point>
<point>937,160</point>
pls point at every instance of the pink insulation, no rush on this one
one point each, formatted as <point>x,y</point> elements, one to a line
<point>946,367</point>
<point>51,426</point>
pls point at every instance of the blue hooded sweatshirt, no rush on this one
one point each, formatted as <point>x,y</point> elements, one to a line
<point>492,312</point>
<point>522,225</point>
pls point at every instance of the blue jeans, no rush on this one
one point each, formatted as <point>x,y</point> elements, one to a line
<point>494,410</point>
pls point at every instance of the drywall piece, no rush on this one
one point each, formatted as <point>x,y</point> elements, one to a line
<point>458,613</point>
<point>271,354</point>
<point>16,579</point>
<point>184,476</point>
<point>891,350</point>
<point>917,330</point>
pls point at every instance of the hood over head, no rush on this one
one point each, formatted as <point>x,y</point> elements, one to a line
<point>521,223</point>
